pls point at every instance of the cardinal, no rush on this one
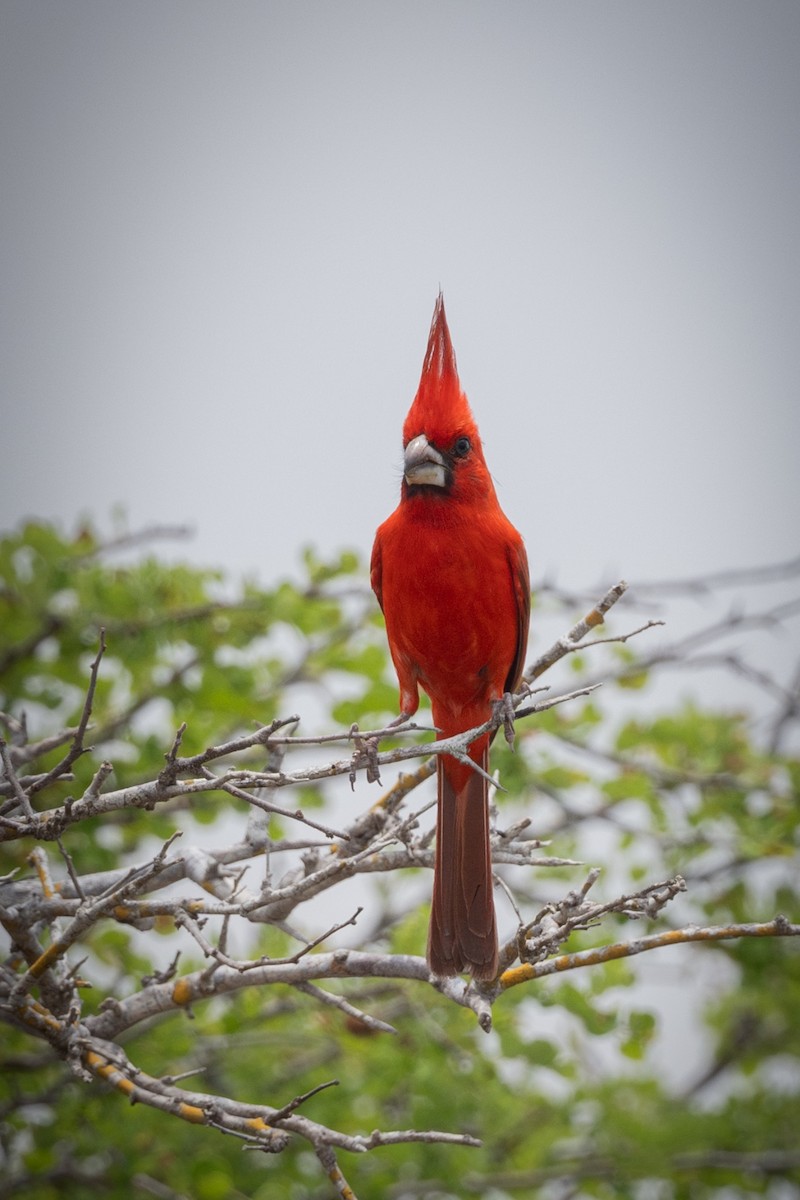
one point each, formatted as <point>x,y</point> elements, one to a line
<point>451,575</point>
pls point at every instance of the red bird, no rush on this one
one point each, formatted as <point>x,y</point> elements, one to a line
<point>451,575</point>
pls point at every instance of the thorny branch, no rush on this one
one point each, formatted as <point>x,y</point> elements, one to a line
<point>45,917</point>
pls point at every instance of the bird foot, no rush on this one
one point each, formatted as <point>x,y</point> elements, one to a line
<point>366,752</point>
<point>504,707</point>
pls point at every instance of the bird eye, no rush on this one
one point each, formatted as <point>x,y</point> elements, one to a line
<point>462,446</point>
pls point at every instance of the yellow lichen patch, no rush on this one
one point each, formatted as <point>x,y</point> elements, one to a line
<point>182,993</point>
<point>106,1070</point>
<point>44,1015</point>
<point>190,1112</point>
<point>45,960</point>
<point>38,861</point>
<point>515,975</point>
<point>257,1124</point>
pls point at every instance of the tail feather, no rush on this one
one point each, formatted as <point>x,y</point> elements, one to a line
<point>463,932</point>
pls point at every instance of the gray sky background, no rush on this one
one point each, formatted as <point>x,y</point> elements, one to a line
<point>224,226</point>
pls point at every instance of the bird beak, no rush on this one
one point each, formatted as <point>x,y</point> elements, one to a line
<point>423,464</point>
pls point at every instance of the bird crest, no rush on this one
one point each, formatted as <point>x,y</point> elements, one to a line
<point>440,409</point>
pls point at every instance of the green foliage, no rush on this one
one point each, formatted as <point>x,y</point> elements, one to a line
<point>571,1087</point>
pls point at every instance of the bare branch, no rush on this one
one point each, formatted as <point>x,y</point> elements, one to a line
<point>76,748</point>
<point>355,1014</point>
<point>132,541</point>
<point>716,580</point>
<point>569,642</point>
<point>20,795</point>
<point>780,927</point>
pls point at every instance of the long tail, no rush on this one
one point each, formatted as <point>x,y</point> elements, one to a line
<point>463,933</point>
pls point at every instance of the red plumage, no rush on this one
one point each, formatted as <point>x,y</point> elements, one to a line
<point>451,575</point>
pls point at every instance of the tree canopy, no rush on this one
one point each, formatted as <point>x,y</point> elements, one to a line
<point>215,869</point>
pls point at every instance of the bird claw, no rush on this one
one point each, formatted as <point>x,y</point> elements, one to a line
<point>365,754</point>
<point>367,748</point>
<point>504,708</point>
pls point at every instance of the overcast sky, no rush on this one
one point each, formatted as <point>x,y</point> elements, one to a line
<point>224,226</point>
